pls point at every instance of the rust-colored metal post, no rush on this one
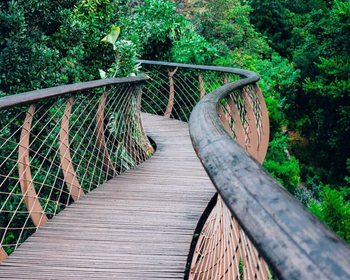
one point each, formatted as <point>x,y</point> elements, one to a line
<point>147,144</point>
<point>129,143</point>
<point>229,97</point>
<point>225,117</point>
<point>239,130</point>
<point>170,105</point>
<point>225,78</point>
<point>252,147</point>
<point>31,200</point>
<point>69,174</point>
<point>224,120</point>
<point>233,112</point>
<point>201,85</point>
<point>265,126</point>
<point>100,135</point>
<point>3,254</point>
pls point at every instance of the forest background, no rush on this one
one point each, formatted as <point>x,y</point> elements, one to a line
<point>301,49</point>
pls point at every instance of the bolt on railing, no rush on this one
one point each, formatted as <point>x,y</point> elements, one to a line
<point>58,144</point>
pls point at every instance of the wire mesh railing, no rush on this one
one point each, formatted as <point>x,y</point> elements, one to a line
<point>60,143</point>
<point>173,90</point>
<point>256,229</point>
<point>223,250</point>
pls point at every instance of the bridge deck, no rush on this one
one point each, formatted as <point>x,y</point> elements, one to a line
<point>136,226</point>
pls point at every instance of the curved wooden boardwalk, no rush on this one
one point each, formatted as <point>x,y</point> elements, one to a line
<point>136,226</point>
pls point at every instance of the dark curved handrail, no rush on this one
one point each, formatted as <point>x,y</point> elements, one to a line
<point>36,95</point>
<point>295,244</point>
<point>237,71</point>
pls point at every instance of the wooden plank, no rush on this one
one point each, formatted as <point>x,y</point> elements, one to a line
<point>137,226</point>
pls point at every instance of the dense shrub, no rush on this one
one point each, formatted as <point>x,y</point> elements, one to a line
<point>45,43</point>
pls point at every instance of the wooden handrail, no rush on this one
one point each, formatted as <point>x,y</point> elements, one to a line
<point>294,243</point>
<point>237,71</point>
<point>36,95</point>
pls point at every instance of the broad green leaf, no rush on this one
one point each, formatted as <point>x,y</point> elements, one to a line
<point>112,36</point>
<point>102,74</point>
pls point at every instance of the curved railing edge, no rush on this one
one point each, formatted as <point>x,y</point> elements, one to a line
<point>237,71</point>
<point>35,95</point>
<point>31,97</point>
<point>295,244</point>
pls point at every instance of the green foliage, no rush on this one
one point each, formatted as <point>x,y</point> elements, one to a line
<point>155,25</point>
<point>334,211</point>
<point>160,33</point>
<point>330,106</point>
<point>347,178</point>
<point>83,27</point>
<point>317,103</point>
<point>281,165</point>
<point>45,43</point>
<point>327,88</point>
<point>125,56</point>
<point>27,61</point>
<point>226,22</point>
<point>194,49</point>
<point>306,6</point>
<point>270,18</point>
<point>112,37</point>
<point>279,84</point>
<point>323,33</point>
<point>116,124</point>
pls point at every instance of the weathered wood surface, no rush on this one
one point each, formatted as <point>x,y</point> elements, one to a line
<point>294,243</point>
<point>40,94</point>
<point>237,71</point>
<point>136,226</point>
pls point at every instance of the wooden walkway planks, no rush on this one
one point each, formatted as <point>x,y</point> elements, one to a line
<point>136,226</point>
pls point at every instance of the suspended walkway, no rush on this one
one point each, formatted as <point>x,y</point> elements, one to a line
<point>91,188</point>
<point>136,226</point>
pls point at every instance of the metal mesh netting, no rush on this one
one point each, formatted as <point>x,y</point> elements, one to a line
<point>174,92</point>
<point>54,151</point>
<point>223,250</point>
<point>245,118</point>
